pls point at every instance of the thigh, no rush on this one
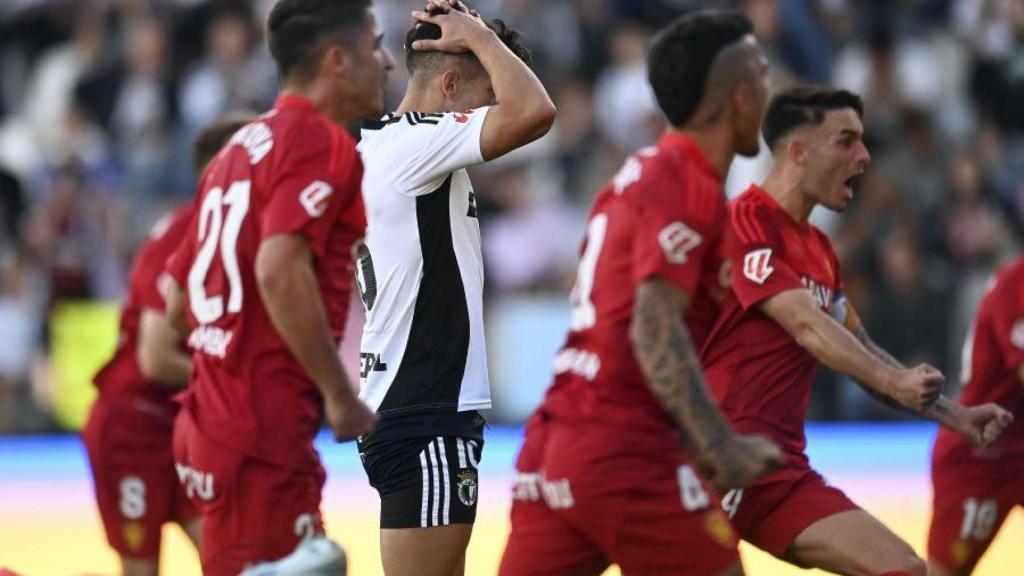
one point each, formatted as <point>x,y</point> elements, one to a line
<point>542,543</point>
<point>252,511</point>
<point>674,525</point>
<point>433,551</point>
<point>134,485</point>
<point>853,543</point>
<point>970,501</point>
<point>774,512</point>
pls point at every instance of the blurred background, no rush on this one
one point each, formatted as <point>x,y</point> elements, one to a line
<point>99,100</point>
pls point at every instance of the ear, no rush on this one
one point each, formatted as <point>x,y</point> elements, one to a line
<point>796,150</point>
<point>450,82</point>
<point>337,60</point>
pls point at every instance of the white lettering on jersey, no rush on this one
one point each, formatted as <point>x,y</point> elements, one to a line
<point>579,362</point>
<point>676,240</point>
<point>756,265</point>
<point>1017,334</point>
<point>210,340</point>
<point>256,138</point>
<point>196,482</point>
<point>822,295</point>
<point>314,198</point>
<point>628,174</point>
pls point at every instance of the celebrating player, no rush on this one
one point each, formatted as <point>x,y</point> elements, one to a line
<point>265,276</point>
<point>471,97</point>
<point>785,313</point>
<point>128,435</point>
<point>976,487</point>
<point>602,477</point>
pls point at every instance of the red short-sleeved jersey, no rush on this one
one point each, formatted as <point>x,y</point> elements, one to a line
<point>661,217</point>
<point>759,374</point>
<point>993,353</point>
<point>146,287</point>
<point>290,171</point>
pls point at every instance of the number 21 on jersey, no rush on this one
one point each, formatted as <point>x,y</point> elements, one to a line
<point>218,235</point>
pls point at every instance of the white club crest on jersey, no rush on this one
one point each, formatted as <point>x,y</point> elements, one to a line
<point>1017,334</point>
<point>314,198</point>
<point>676,240</point>
<point>756,266</point>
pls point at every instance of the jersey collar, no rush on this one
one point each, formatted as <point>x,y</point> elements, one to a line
<point>293,101</point>
<point>689,148</point>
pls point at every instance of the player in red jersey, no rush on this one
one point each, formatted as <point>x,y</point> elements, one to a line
<point>265,276</point>
<point>602,476</point>
<point>785,314</point>
<point>976,487</point>
<point>128,435</point>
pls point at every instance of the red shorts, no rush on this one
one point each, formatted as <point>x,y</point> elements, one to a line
<point>252,511</point>
<point>584,499</point>
<point>774,511</point>
<point>129,445</point>
<point>971,498</point>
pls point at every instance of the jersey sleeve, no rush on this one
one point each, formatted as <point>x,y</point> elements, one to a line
<point>180,260</point>
<point>759,269</point>
<point>426,148</point>
<point>318,178</point>
<point>670,241</point>
<point>1004,316</point>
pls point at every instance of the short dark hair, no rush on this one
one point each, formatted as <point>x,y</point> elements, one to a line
<point>415,59</point>
<point>802,105</point>
<point>681,55</point>
<point>297,30</point>
<point>212,138</point>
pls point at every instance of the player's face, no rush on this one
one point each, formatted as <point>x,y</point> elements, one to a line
<point>367,76</point>
<point>753,101</point>
<point>836,157</point>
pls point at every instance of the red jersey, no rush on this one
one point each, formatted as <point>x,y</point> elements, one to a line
<point>661,217</point>
<point>757,371</point>
<point>993,352</point>
<point>146,289</point>
<point>290,171</point>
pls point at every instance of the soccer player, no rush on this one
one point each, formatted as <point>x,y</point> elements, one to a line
<point>976,487</point>
<point>128,434</point>
<point>785,314</point>
<point>265,278</point>
<point>471,97</point>
<point>602,476</point>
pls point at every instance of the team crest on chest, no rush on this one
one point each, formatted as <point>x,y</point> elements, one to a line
<point>467,487</point>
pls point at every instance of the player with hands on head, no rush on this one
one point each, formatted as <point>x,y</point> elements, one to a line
<point>471,97</point>
<point>785,313</point>
<point>603,476</point>
<point>262,283</point>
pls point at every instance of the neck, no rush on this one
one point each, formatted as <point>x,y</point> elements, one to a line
<point>786,190</point>
<point>324,103</point>
<point>715,144</point>
<point>418,99</point>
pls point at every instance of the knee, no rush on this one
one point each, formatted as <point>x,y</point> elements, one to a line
<point>909,564</point>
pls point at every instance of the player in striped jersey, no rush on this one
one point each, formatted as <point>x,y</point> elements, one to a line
<point>471,97</point>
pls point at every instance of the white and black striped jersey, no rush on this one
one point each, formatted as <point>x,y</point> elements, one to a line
<point>420,272</point>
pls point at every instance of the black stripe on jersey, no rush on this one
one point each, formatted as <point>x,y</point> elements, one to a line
<point>378,124</point>
<point>415,118</point>
<point>429,377</point>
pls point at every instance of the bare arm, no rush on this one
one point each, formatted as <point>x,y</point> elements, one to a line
<point>798,313</point>
<point>524,111</point>
<point>291,294</point>
<point>665,352</point>
<point>175,300</point>
<point>158,351</point>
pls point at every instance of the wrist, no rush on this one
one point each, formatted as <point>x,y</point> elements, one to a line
<point>480,38</point>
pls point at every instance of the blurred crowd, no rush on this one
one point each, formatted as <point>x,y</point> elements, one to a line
<point>99,100</point>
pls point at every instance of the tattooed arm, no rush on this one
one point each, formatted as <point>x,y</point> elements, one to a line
<point>980,424</point>
<point>665,353</point>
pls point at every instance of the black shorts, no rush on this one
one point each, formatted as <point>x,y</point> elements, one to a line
<point>425,480</point>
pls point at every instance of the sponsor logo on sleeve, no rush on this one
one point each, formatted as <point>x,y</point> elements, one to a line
<point>677,239</point>
<point>756,265</point>
<point>1017,334</point>
<point>314,198</point>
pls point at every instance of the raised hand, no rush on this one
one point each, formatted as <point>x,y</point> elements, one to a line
<point>460,31</point>
<point>739,461</point>
<point>917,388</point>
